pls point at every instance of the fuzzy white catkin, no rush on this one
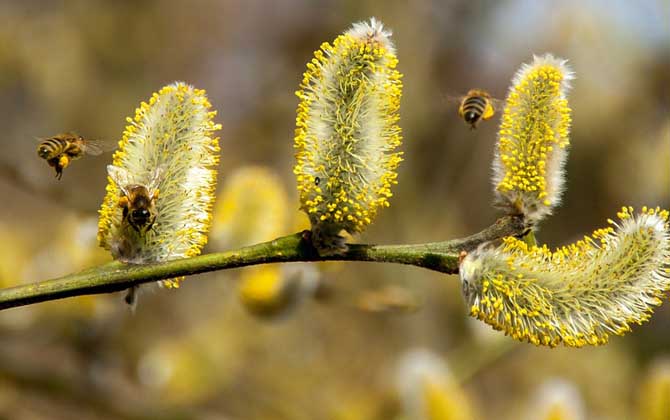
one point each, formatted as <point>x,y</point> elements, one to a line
<point>528,173</point>
<point>579,294</point>
<point>169,147</point>
<point>347,133</point>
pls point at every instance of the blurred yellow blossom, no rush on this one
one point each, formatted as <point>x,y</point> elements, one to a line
<point>654,394</point>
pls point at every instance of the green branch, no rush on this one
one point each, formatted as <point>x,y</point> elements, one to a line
<point>116,276</point>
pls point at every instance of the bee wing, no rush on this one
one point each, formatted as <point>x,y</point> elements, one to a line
<point>453,99</point>
<point>96,147</point>
<point>156,178</point>
<point>498,104</point>
<point>119,176</point>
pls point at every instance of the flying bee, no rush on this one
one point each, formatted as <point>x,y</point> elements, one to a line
<point>137,200</point>
<point>477,105</point>
<point>62,149</point>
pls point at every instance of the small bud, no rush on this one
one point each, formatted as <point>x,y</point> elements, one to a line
<point>528,173</point>
<point>347,133</point>
<point>579,294</point>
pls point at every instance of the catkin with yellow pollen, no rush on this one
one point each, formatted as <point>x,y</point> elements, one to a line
<point>528,173</point>
<point>347,133</point>
<point>169,144</point>
<point>579,294</point>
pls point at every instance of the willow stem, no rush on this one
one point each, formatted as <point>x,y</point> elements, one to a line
<point>116,276</point>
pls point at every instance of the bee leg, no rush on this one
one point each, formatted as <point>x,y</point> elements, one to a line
<point>59,172</point>
<point>149,226</point>
<point>123,203</point>
<point>131,297</point>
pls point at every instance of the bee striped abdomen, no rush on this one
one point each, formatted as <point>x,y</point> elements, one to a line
<point>53,147</point>
<point>474,107</point>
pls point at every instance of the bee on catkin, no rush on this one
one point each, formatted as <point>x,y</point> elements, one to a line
<point>136,200</point>
<point>162,180</point>
<point>61,149</point>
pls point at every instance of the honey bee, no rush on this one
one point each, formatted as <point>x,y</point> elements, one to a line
<point>137,200</point>
<point>62,149</point>
<point>477,105</point>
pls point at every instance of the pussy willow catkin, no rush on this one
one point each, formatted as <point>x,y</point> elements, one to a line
<point>170,148</point>
<point>347,132</point>
<point>579,294</point>
<point>528,173</point>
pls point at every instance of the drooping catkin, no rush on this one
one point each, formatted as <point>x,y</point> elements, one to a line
<point>579,294</point>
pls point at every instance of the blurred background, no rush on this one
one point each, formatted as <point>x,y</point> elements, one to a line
<point>344,341</point>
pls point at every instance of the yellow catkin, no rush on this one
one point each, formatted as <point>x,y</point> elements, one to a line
<point>533,139</point>
<point>169,142</point>
<point>576,295</point>
<point>347,132</point>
